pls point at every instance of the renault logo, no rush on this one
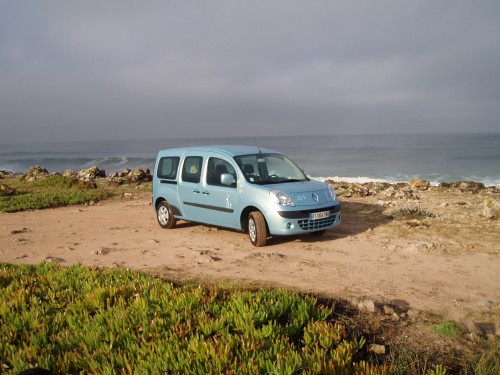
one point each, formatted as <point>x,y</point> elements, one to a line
<point>315,197</point>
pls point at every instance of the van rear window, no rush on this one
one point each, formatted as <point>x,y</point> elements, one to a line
<point>167,167</point>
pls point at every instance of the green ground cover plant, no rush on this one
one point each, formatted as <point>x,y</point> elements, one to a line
<point>53,191</point>
<point>84,320</point>
<point>448,329</point>
<point>56,191</point>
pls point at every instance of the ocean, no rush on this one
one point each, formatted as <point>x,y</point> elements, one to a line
<point>356,158</point>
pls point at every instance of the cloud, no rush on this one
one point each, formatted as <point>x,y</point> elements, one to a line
<point>138,70</point>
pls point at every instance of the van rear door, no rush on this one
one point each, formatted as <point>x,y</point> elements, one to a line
<point>189,187</point>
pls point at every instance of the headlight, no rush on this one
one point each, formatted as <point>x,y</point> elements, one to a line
<point>281,198</point>
<point>332,192</point>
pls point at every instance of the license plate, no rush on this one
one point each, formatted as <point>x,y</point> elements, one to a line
<point>319,215</point>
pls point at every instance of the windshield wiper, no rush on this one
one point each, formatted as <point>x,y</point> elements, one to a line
<point>274,181</point>
<point>295,180</point>
<point>269,182</point>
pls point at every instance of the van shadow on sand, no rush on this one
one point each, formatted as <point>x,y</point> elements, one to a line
<point>356,218</point>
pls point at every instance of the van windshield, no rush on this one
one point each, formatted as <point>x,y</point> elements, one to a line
<point>263,169</point>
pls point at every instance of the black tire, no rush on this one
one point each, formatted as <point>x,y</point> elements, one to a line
<point>257,229</point>
<point>165,216</point>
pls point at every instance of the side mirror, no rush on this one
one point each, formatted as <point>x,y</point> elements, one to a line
<point>227,179</point>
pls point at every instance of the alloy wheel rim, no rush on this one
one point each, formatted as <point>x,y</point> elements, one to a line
<point>163,215</point>
<point>251,230</point>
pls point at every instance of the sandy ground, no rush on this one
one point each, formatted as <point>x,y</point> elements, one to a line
<point>444,265</point>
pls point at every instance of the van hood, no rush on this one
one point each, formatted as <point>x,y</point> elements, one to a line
<point>305,193</point>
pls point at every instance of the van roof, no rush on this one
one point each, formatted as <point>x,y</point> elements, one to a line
<point>228,150</point>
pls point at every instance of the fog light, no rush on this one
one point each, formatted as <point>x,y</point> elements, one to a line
<point>289,226</point>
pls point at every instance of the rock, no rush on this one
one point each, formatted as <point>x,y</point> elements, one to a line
<point>388,310</point>
<point>424,245</point>
<point>406,193</point>
<point>376,348</point>
<point>140,175</point>
<point>444,186</point>
<point>101,251</point>
<point>471,327</point>
<point>116,178</point>
<point>69,173</point>
<point>51,259</point>
<point>91,174</point>
<point>384,203</point>
<point>368,305</point>
<point>415,223</point>
<point>491,209</point>
<point>7,191</point>
<point>389,192</point>
<point>130,176</point>
<point>400,306</point>
<point>468,186</point>
<point>36,172</point>
<point>486,303</point>
<point>375,188</point>
<point>358,190</point>
<point>6,174</point>
<point>413,313</point>
<point>419,184</point>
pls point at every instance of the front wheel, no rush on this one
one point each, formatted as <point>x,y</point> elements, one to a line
<point>165,216</point>
<point>257,229</point>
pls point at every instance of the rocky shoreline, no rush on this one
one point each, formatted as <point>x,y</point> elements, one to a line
<point>85,177</point>
<point>388,192</point>
<point>401,189</point>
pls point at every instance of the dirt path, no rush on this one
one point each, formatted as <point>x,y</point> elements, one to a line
<point>370,255</point>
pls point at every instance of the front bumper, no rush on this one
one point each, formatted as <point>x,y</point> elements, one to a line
<point>297,222</point>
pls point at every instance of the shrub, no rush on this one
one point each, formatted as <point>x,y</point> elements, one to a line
<point>412,211</point>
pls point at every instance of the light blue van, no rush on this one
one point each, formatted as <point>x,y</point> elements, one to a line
<point>257,191</point>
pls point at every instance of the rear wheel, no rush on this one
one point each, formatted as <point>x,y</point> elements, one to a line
<point>165,216</point>
<point>257,229</point>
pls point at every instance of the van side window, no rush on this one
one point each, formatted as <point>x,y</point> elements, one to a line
<point>191,170</point>
<point>217,167</point>
<point>167,167</point>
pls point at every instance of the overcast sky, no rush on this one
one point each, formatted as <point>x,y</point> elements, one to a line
<point>90,70</point>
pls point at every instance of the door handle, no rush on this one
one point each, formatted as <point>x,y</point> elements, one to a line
<point>196,191</point>
<point>205,193</point>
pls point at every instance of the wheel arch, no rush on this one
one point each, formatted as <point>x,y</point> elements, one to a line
<point>176,211</point>
<point>244,217</point>
<point>158,201</point>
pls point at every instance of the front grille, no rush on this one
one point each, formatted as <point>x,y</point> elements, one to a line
<point>305,214</point>
<point>318,224</point>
